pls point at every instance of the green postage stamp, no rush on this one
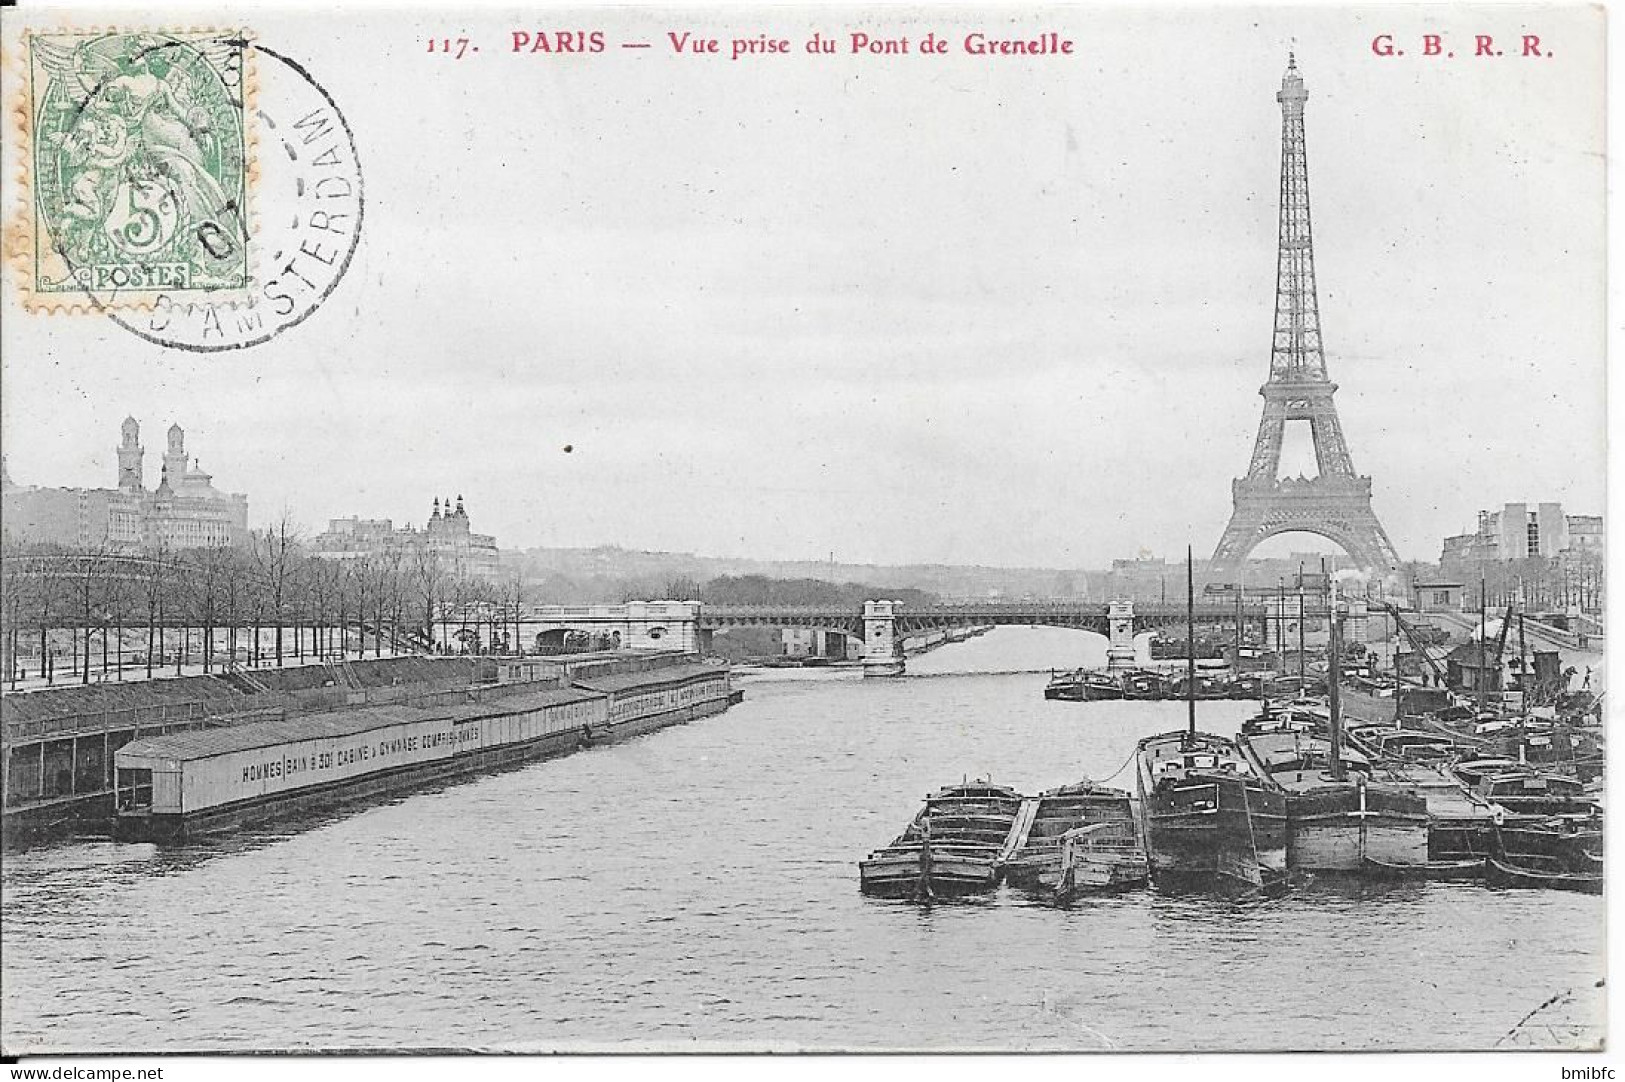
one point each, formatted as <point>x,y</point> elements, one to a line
<point>140,168</point>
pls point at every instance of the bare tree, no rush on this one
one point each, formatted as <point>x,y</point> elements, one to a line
<point>117,599</point>
<point>233,597</point>
<point>343,582</point>
<point>90,595</point>
<point>182,603</point>
<point>513,594</point>
<point>211,568</point>
<point>315,585</point>
<point>389,597</point>
<point>20,583</point>
<point>485,604</point>
<point>429,583</point>
<point>154,583</point>
<point>460,592</point>
<point>274,555</point>
<point>363,580</point>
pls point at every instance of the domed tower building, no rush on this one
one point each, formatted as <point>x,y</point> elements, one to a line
<point>183,511</point>
<point>187,511</point>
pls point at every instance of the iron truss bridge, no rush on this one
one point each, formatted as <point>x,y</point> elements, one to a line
<point>1087,616</point>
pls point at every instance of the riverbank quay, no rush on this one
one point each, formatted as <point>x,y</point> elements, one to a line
<point>60,745</point>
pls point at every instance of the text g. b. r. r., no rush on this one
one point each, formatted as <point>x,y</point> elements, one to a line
<point>1444,47</point>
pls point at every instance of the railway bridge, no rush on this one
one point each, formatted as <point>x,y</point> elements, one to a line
<point>881,626</point>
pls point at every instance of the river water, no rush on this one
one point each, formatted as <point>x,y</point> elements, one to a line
<point>697,889</point>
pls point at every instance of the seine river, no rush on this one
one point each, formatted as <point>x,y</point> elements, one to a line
<point>697,889</point>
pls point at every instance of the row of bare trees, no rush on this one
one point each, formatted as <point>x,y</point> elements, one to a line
<point>1573,580</point>
<point>66,613</point>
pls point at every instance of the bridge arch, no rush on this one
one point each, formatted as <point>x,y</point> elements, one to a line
<point>845,632</point>
<point>563,639</point>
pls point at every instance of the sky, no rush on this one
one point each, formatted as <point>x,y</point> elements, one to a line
<point>996,310</point>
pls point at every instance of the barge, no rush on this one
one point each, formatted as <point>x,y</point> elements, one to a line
<point>641,702</point>
<point>1100,856</point>
<point>1083,686</point>
<point>1210,820</point>
<point>181,786</point>
<point>1339,819</point>
<point>1036,862</point>
<point>954,846</point>
<point>1458,828</point>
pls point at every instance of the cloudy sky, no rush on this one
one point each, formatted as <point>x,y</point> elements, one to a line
<point>962,309</point>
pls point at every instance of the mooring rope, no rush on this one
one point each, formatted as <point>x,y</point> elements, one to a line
<point>1120,769</point>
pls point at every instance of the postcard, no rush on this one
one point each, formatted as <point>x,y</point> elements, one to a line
<point>803,528</point>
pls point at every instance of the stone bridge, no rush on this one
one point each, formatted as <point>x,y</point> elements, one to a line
<point>881,626</point>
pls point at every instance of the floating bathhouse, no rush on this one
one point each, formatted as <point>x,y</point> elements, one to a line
<point>206,781</point>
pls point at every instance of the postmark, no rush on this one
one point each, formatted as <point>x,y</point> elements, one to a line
<point>139,150</point>
<point>232,256</point>
<point>307,207</point>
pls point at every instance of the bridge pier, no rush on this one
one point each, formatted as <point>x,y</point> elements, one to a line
<point>882,652</point>
<point>1281,620</point>
<point>1357,624</point>
<point>1120,630</point>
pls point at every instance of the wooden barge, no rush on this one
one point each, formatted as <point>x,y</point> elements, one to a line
<point>955,845</point>
<point>1102,856</point>
<point>172,788</point>
<point>1036,863</point>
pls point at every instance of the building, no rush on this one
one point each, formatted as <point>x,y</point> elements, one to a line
<point>1144,578</point>
<point>1586,536</point>
<point>356,538</point>
<point>815,642</point>
<point>1520,532</point>
<point>1439,596</point>
<point>1532,555</point>
<point>447,536</point>
<point>184,511</point>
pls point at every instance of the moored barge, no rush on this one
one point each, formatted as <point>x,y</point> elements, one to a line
<point>1103,856</point>
<point>1145,684</point>
<point>1210,821</point>
<point>1059,811</point>
<point>177,787</point>
<point>1338,820</point>
<point>1083,685</point>
<point>953,847</point>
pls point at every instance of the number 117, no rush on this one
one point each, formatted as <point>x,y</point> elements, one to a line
<point>455,47</point>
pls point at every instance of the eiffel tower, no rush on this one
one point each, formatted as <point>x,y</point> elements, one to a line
<point>1337,503</point>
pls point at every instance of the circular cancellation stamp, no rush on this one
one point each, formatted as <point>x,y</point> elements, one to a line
<point>198,188</point>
